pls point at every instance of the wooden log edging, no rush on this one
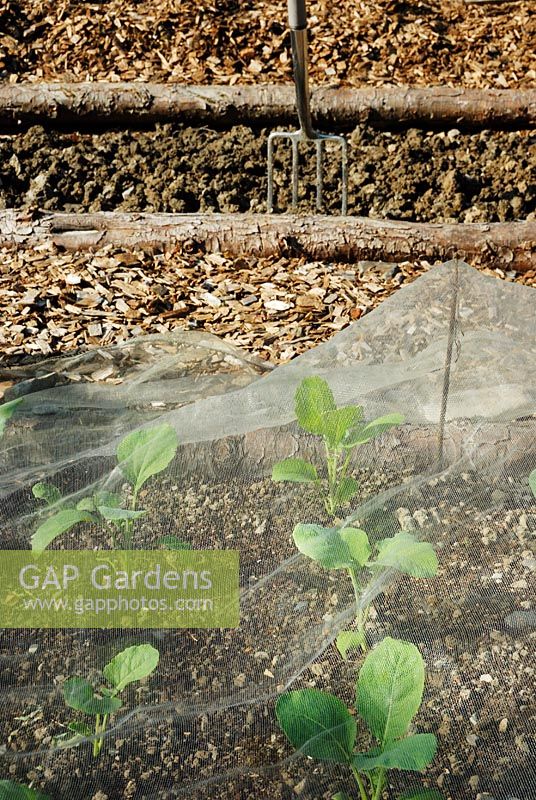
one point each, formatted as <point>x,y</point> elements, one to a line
<point>87,106</point>
<point>510,245</point>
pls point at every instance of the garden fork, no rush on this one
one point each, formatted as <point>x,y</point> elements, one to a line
<point>298,31</point>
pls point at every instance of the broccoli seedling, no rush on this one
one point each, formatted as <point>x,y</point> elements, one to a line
<point>342,431</point>
<point>140,455</point>
<point>388,695</point>
<point>350,549</point>
<point>130,665</point>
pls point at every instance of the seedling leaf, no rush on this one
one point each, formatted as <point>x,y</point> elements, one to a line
<point>317,724</point>
<point>389,689</point>
<point>294,469</point>
<point>130,665</point>
<point>47,492</point>
<point>80,728</point>
<point>364,433</point>
<point>79,694</point>
<point>86,504</point>
<point>314,398</point>
<point>56,525</point>
<point>332,547</point>
<point>145,453</point>
<point>406,554</point>
<point>532,482</point>
<point>336,423</point>
<point>413,754</point>
<point>173,543</point>
<point>346,489</point>
<point>421,794</point>
<point>112,513</point>
<point>349,640</point>
<point>16,791</point>
<point>6,412</point>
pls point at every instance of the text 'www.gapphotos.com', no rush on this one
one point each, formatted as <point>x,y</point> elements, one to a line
<point>115,605</point>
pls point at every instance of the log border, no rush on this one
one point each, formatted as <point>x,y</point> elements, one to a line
<point>508,245</point>
<point>95,105</point>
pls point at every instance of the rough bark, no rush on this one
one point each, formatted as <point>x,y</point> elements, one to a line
<point>509,245</point>
<point>96,105</point>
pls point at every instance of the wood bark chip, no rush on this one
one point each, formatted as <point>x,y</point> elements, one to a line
<point>99,105</point>
<point>510,244</point>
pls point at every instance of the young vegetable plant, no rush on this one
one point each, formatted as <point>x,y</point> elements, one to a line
<point>388,695</point>
<point>9,790</point>
<point>130,665</point>
<point>350,549</point>
<point>342,430</point>
<point>140,455</point>
<point>6,412</point>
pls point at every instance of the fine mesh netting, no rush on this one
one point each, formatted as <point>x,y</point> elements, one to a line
<point>455,354</point>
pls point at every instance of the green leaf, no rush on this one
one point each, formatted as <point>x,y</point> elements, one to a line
<point>86,504</point>
<point>407,554</point>
<point>421,794</point>
<point>56,525</point>
<point>112,513</point>
<point>364,433</point>
<point>294,469</point>
<point>313,399</point>
<point>6,412</point>
<point>80,695</point>
<point>109,499</point>
<point>146,452</point>
<point>47,492</point>
<point>317,724</point>
<point>349,640</point>
<point>389,688</point>
<point>16,791</point>
<point>173,543</point>
<point>532,482</point>
<point>336,423</point>
<point>413,754</point>
<point>130,665</point>
<point>334,548</point>
<point>341,796</point>
<point>346,489</point>
<point>80,728</point>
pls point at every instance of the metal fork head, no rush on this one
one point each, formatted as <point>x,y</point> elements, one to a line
<point>319,138</point>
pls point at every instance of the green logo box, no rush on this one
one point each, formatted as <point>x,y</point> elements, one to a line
<point>119,589</point>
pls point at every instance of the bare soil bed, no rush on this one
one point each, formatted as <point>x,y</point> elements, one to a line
<point>414,176</point>
<point>386,42</point>
<point>466,622</point>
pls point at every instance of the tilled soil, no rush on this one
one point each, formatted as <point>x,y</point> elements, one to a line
<point>413,175</point>
<point>352,41</point>
<point>468,623</point>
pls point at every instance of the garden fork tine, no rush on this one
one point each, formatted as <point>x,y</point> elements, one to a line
<point>298,31</point>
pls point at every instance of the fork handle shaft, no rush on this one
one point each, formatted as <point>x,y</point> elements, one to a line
<point>297,15</point>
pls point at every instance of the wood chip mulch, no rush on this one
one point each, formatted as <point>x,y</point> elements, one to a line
<point>353,42</point>
<point>57,302</point>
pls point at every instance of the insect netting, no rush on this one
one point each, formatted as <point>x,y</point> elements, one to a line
<point>450,360</point>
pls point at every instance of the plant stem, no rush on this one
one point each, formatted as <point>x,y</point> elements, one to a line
<point>361,614</point>
<point>97,742</point>
<point>362,791</point>
<point>331,458</point>
<point>379,786</point>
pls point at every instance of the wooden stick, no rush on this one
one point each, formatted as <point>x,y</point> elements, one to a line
<point>510,245</point>
<point>89,106</point>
